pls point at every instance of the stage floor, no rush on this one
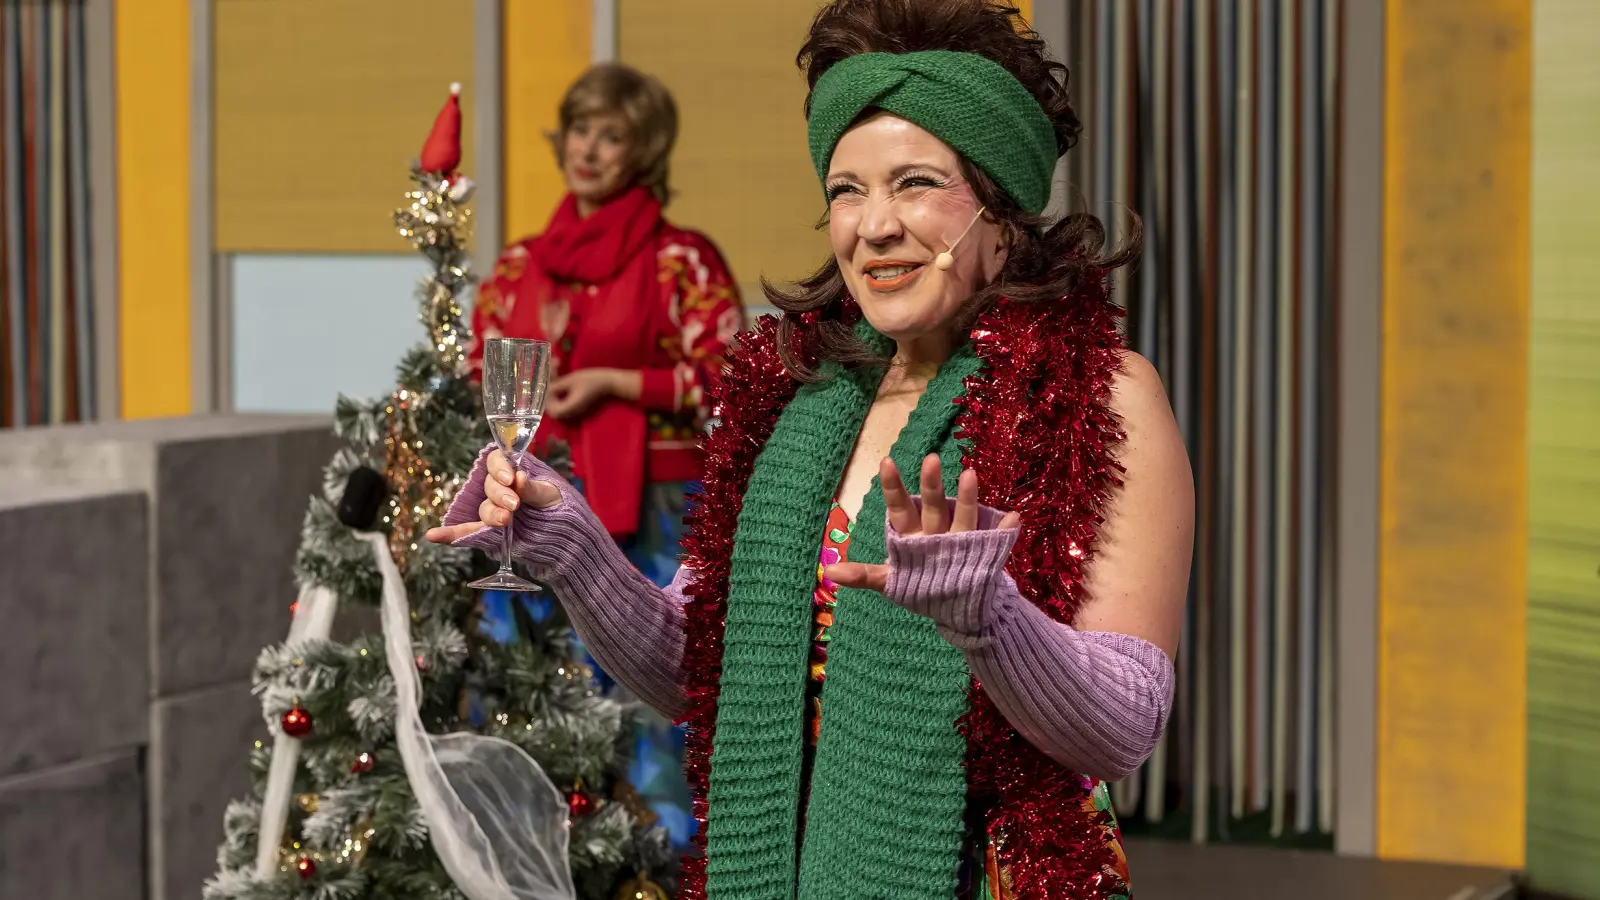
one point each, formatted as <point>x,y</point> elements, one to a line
<point>1172,870</point>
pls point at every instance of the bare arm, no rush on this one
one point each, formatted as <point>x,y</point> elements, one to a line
<point>1140,574</point>
<point>1094,695</point>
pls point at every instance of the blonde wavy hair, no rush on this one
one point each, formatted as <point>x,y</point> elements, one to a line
<point>643,102</point>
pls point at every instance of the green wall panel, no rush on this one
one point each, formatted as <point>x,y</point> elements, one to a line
<point>1564,455</point>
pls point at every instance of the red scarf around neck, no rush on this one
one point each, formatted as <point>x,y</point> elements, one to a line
<point>595,249</point>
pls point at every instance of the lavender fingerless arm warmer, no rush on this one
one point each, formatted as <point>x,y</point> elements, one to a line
<point>1094,701</point>
<point>633,628</point>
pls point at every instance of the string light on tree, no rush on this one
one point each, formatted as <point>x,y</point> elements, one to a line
<point>641,888</point>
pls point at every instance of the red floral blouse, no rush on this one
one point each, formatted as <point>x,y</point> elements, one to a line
<point>702,315</point>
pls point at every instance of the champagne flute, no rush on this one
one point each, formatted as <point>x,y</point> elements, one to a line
<point>516,374</point>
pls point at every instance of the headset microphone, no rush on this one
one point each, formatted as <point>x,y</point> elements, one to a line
<point>944,261</point>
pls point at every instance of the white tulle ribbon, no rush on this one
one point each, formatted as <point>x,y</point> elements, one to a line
<point>496,821</point>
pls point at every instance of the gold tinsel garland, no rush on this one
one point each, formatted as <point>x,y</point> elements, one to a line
<point>419,496</point>
<point>438,226</point>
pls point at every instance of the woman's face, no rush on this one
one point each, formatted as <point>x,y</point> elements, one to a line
<point>594,157</point>
<point>896,200</point>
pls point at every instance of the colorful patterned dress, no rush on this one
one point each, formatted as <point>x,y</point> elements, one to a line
<point>976,881</point>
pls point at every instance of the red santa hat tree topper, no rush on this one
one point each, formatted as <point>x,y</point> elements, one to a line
<point>441,152</point>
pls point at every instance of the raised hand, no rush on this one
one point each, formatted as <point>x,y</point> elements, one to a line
<point>935,516</point>
<point>504,490</point>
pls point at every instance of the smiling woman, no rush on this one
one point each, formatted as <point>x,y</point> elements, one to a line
<point>969,173</point>
<point>986,663</point>
<point>895,185</point>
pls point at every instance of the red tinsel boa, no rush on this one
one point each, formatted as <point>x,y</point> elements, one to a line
<point>1041,436</point>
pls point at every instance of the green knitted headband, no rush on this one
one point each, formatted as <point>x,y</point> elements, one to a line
<point>966,100</point>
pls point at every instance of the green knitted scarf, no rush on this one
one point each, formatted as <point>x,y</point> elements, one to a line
<point>888,792</point>
<point>968,101</point>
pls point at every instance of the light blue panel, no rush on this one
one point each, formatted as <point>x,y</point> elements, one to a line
<point>308,328</point>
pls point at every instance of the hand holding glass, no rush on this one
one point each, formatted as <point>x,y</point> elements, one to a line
<point>516,375</point>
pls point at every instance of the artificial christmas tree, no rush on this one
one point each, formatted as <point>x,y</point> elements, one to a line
<point>339,810</point>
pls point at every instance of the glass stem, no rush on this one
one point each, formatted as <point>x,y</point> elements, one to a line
<point>505,535</point>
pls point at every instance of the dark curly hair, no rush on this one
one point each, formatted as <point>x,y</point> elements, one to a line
<point>1044,262</point>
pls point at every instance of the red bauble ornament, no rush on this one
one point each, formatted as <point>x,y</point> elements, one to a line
<point>297,722</point>
<point>579,803</point>
<point>363,763</point>
<point>306,866</point>
<point>422,663</point>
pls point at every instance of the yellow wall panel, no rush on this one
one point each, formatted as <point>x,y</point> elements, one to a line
<point>547,46</point>
<point>319,108</point>
<point>152,72</point>
<point>1453,552</point>
<point>741,171</point>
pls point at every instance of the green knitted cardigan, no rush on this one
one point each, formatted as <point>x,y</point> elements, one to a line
<point>888,794</point>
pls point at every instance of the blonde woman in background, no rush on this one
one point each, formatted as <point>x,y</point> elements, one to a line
<point>638,313</point>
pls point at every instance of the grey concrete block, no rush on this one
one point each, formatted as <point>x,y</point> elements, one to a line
<point>74,600</point>
<point>199,761</point>
<point>228,495</point>
<point>74,833</point>
<point>121,454</point>
<point>228,515</point>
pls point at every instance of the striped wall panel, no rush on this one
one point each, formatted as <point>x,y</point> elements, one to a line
<point>47,339</point>
<point>1214,120</point>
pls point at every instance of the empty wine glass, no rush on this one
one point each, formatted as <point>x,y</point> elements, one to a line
<point>516,374</point>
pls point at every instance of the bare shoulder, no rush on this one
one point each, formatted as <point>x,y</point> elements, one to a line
<point>1153,443</point>
<point>1138,394</point>
<point>1140,575</point>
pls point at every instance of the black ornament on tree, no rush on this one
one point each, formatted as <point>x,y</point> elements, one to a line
<point>364,493</point>
<point>297,721</point>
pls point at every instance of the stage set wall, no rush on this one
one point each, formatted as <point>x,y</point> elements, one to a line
<point>260,148</point>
